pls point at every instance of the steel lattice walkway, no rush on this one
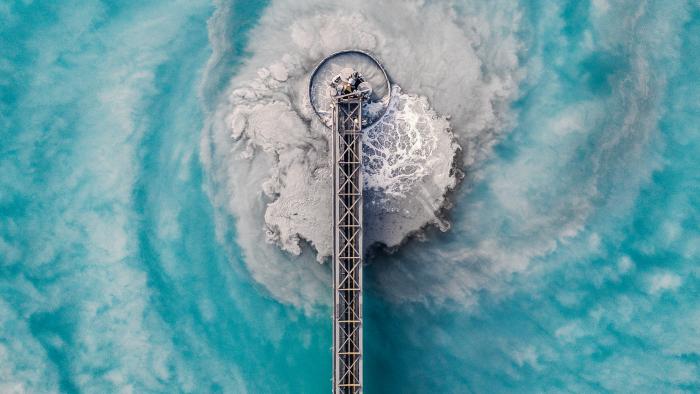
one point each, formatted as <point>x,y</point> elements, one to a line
<point>347,258</point>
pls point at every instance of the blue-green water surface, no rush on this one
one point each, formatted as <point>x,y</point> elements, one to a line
<point>113,277</point>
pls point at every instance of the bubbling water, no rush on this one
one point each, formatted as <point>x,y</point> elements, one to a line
<point>407,158</point>
<point>268,153</point>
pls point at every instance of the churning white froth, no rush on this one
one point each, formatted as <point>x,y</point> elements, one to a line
<point>576,155</point>
<point>268,152</point>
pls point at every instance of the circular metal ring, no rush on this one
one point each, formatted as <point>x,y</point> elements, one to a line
<point>358,60</point>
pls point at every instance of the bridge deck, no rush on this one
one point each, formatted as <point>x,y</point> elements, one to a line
<point>347,253</point>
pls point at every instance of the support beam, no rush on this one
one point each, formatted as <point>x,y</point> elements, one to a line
<point>347,252</point>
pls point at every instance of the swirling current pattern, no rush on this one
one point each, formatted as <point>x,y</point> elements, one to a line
<point>140,181</point>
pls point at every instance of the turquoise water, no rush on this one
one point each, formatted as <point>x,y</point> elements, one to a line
<point>115,276</point>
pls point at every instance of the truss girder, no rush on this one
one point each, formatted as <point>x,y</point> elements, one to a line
<point>347,253</point>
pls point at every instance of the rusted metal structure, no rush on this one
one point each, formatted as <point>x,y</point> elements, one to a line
<point>347,267</point>
<point>341,89</point>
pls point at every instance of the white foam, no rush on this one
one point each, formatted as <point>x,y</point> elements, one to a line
<point>275,175</point>
<point>664,281</point>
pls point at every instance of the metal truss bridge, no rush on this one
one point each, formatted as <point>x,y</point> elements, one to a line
<point>347,258</point>
<point>339,88</point>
